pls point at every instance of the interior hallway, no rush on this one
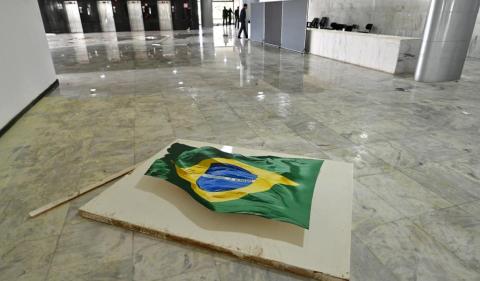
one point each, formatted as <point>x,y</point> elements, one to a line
<point>123,97</point>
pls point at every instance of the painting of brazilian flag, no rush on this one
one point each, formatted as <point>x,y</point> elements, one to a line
<point>272,187</point>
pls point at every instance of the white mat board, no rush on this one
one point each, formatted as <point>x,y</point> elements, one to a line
<point>154,206</point>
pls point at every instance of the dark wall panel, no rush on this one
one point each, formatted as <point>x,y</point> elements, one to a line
<point>150,15</point>
<point>273,23</point>
<point>53,16</point>
<point>120,15</point>
<point>89,15</point>
<point>194,12</point>
<point>184,14</point>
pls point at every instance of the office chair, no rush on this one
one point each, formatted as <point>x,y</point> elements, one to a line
<point>323,23</point>
<point>313,23</point>
<point>369,27</point>
<point>340,26</point>
<point>336,26</point>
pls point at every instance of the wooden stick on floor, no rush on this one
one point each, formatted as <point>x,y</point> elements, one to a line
<point>82,191</point>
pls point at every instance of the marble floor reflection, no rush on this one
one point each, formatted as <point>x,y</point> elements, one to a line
<point>124,96</point>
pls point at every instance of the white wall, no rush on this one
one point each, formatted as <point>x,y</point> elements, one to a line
<point>394,17</point>
<point>26,68</point>
<point>474,50</point>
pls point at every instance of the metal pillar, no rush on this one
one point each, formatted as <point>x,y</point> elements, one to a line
<point>207,15</point>
<point>446,39</point>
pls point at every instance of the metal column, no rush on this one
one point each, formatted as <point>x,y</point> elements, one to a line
<point>207,15</point>
<point>446,39</point>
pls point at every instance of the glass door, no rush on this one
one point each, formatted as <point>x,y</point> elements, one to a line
<point>217,11</point>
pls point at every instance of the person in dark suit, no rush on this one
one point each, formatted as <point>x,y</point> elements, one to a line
<point>224,15</point>
<point>243,21</point>
<point>230,12</point>
<point>237,16</point>
<point>188,14</point>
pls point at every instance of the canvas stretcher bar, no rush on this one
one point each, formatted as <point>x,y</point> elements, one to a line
<point>61,201</point>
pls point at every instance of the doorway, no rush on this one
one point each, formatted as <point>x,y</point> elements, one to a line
<point>217,10</point>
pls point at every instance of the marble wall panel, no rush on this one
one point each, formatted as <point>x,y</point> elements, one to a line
<point>391,54</point>
<point>89,15</point>
<point>393,17</point>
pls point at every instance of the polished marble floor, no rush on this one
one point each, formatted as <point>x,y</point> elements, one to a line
<point>122,97</point>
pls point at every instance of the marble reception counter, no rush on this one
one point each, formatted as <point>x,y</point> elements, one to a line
<point>392,54</point>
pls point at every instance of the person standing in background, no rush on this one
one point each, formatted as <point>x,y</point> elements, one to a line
<point>237,15</point>
<point>224,16</point>
<point>243,22</point>
<point>230,12</point>
<point>188,14</point>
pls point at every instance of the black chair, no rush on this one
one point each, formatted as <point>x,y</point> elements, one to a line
<point>337,26</point>
<point>314,23</point>
<point>341,26</point>
<point>368,28</point>
<point>323,23</point>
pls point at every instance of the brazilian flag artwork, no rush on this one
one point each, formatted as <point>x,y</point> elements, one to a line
<point>268,186</point>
